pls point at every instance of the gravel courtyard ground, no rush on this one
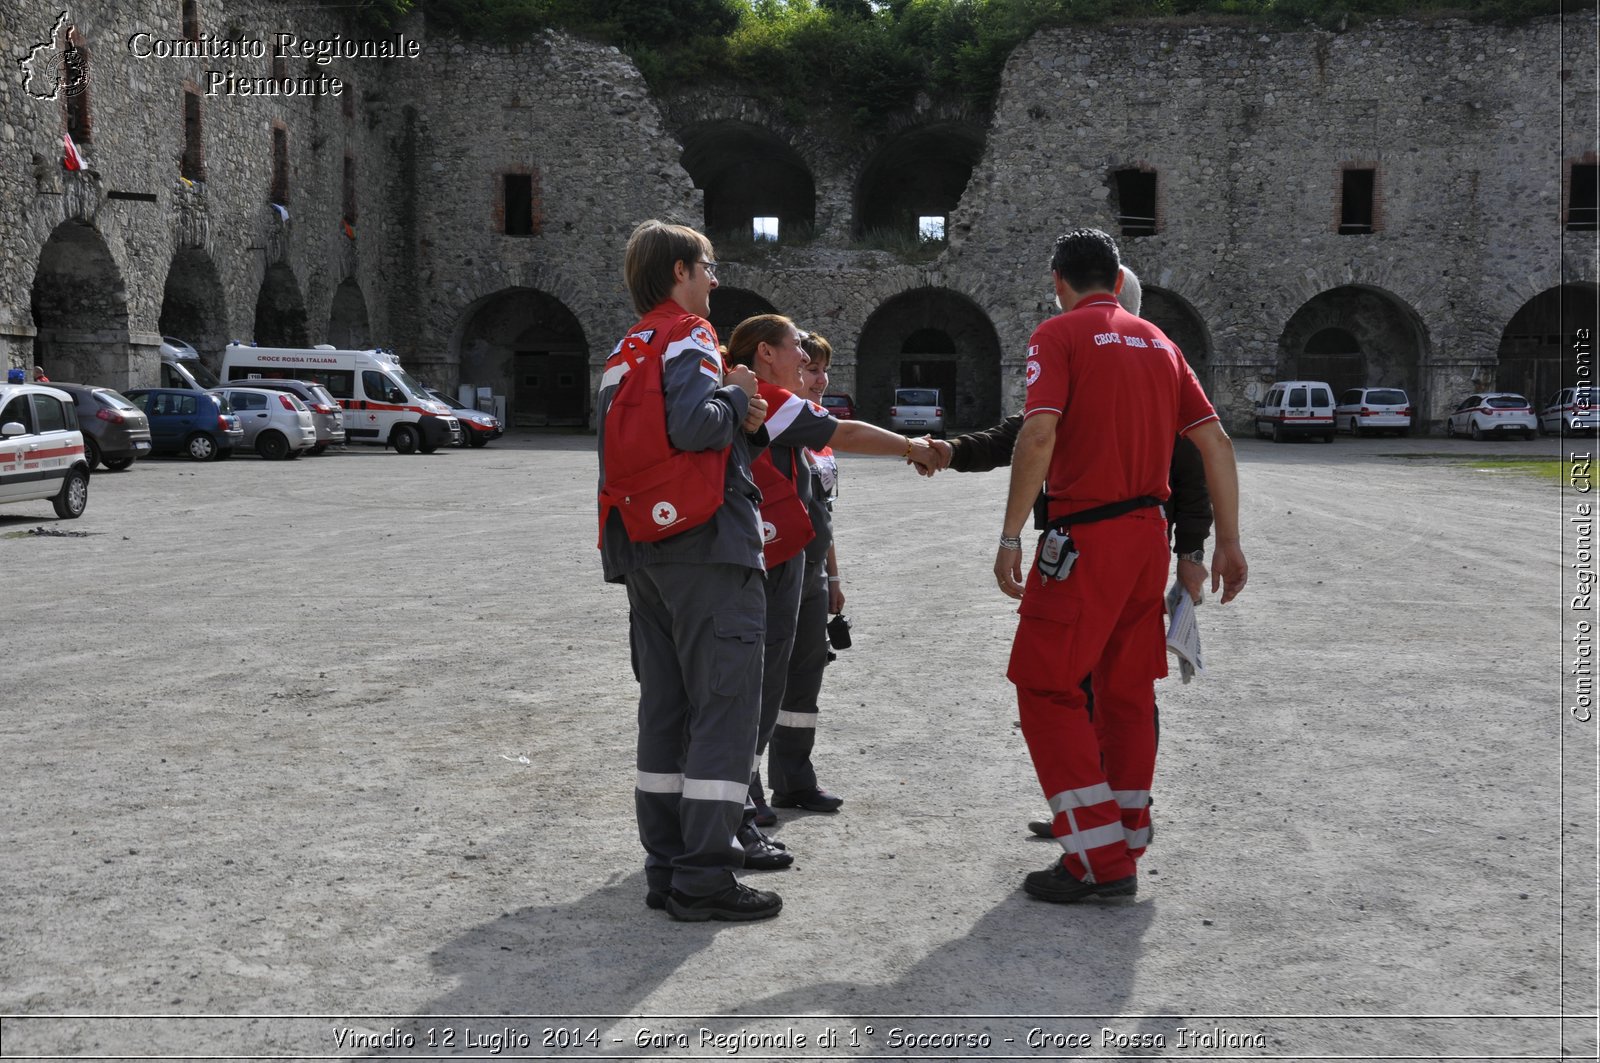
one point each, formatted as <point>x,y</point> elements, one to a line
<point>333,757</point>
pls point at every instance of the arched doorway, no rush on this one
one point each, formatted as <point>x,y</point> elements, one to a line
<point>749,173</point>
<point>729,306</point>
<point>192,307</point>
<point>80,310</point>
<point>1536,353</point>
<point>348,328</point>
<point>930,337</point>
<point>1355,336</point>
<point>1173,314</point>
<point>528,348</point>
<point>280,312</point>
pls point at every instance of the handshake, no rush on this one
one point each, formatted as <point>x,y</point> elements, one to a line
<point>929,455</point>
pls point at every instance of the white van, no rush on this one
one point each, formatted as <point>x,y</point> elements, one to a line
<point>382,403</point>
<point>1296,408</point>
<point>181,367</point>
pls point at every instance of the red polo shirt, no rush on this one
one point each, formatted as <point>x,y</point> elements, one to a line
<point>1123,391</point>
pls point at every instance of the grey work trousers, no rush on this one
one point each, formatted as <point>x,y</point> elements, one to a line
<point>784,585</point>
<point>696,633</point>
<point>789,767</point>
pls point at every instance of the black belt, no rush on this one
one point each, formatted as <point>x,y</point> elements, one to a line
<point>1105,512</point>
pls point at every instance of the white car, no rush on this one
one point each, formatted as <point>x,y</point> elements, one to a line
<point>41,449</point>
<point>1490,412</point>
<point>917,410</point>
<point>276,423</point>
<point>1363,410</point>
<point>1571,410</point>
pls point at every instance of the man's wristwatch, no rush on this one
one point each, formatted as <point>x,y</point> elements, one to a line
<point>1196,556</point>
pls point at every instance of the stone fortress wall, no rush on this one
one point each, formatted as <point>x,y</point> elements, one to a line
<point>1469,278</point>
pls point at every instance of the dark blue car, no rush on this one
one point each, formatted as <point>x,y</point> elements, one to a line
<point>197,423</point>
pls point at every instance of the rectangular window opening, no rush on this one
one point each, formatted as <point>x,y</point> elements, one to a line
<point>193,164</point>
<point>1356,201</point>
<point>930,228</point>
<point>280,167</point>
<point>518,204</point>
<point>1136,202</point>
<point>764,229</point>
<point>1583,198</point>
<point>191,20</point>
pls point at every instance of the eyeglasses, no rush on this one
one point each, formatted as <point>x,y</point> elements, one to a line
<point>710,268</point>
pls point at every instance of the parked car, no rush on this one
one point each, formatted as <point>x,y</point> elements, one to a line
<point>1363,410</point>
<point>1492,412</point>
<point>1296,407</point>
<point>326,413</point>
<point>276,423</point>
<point>116,433</point>
<point>1571,410</point>
<point>477,427</point>
<point>41,449</point>
<point>841,406</point>
<point>918,410</point>
<point>200,424</point>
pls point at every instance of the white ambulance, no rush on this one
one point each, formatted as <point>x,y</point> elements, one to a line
<point>41,449</point>
<point>382,403</point>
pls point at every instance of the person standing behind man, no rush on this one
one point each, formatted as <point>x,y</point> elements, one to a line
<point>1106,394</point>
<point>695,596</point>
<point>771,345</point>
<point>793,778</point>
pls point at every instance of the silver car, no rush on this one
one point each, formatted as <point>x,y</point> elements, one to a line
<point>326,413</point>
<point>276,423</point>
<point>917,410</point>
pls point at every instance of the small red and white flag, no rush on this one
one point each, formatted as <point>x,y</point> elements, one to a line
<point>72,160</point>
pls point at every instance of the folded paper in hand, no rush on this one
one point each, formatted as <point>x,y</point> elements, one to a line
<point>1183,633</point>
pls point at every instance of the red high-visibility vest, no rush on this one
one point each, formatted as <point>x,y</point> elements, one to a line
<point>660,491</point>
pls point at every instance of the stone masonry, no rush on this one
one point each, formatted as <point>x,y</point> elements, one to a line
<point>1471,131</point>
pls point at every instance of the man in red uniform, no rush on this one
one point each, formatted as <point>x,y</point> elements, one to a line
<point>1107,392</point>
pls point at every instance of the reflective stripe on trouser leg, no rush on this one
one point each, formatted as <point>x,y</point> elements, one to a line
<point>1125,716</point>
<point>789,767</point>
<point>696,633</point>
<point>1135,806</point>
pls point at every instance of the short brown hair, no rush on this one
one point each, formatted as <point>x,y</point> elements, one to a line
<point>653,250</point>
<point>752,332</point>
<point>818,349</point>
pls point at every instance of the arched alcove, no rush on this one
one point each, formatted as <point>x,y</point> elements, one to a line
<point>280,311</point>
<point>1537,347</point>
<point>80,309</point>
<point>192,307</point>
<point>526,345</point>
<point>930,337</point>
<point>1174,315</point>
<point>1355,336</point>
<point>920,173</point>
<point>729,306</point>
<point>747,172</point>
<point>348,328</point>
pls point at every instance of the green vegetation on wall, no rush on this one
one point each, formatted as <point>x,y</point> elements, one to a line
<point>866,59</point>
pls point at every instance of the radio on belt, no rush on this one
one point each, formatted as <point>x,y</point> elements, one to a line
<point>1057,554</point>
